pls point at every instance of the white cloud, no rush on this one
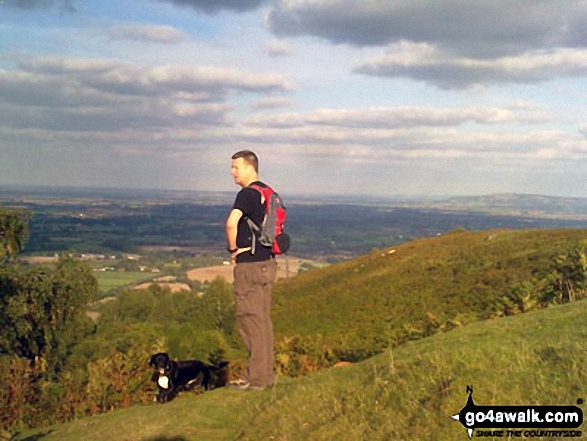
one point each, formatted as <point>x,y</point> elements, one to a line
<point>63,5</point>
<point>215,6</point>
<point>427,63</point>
<point>108,95</point>
<point>409,138</point>
<point>397,117</point>
<point>147,33</point>
<point>458,44</point>
<point>478,28</point>
<point>137,113</point>
<point>279,48</point>
<point>127,78</point>
<point>272,103</point>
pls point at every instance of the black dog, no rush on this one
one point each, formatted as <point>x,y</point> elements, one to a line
<point>173,377</point>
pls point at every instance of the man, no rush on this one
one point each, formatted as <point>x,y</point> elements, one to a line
<point>254,274</point>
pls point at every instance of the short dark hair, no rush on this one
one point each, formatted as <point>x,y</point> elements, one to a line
<point>249,157</point>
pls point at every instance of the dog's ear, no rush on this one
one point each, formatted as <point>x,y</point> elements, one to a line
<point>154,358</point>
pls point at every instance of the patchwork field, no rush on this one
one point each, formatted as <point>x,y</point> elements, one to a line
<point>286,268</point>
<point>109,280</point>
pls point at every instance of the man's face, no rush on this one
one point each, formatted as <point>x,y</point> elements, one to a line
<point>240,171</point>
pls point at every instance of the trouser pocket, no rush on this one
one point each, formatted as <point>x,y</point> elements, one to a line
<point>252,283</point>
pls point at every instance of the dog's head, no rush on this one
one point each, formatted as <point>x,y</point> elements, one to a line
<point>160,361</point>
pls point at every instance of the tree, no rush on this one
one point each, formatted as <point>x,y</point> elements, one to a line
<point>43,310</point>
<point>567,280</point>
<point>13,233</point>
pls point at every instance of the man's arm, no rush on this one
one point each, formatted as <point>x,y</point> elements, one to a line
<point>232,228</point>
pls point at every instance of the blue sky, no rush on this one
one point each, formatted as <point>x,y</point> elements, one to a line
<point>407,97</point>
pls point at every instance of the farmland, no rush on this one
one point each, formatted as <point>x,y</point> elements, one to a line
<point>179,231</point>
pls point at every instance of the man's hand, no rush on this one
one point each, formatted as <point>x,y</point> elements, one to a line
<point>233,258</point>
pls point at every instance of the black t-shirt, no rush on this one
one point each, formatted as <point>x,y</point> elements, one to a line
<point>248,200</point>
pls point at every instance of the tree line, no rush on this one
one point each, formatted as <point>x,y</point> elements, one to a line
<point>59,364</point>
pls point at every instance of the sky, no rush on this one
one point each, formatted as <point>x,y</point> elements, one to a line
<point>355,97</point>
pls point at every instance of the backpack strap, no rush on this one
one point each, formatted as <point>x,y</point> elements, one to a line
<point>255,229</point>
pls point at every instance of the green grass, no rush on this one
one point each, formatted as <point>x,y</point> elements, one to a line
<point>109,280</point>
<point>403,394</point>
<point>385,304</point>
<point>357,308</point>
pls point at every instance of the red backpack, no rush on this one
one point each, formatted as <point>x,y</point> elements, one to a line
<point>271,232</point>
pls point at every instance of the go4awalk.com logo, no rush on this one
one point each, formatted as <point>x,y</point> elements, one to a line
<point>520,421</point>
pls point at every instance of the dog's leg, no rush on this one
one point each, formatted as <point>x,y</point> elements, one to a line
<point>206,380</point>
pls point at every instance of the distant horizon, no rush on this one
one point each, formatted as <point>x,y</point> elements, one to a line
<point>231,193</point>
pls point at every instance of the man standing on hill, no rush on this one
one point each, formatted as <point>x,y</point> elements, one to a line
<point>254,274</point>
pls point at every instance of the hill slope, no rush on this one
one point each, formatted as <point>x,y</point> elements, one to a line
<point>360,308</point>
<point>409,393</point>
<point>355,309</point>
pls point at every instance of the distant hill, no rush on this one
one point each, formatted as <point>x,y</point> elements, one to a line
<point>405,394</point>
<point>528,204</point>
<point>355,309</point>
<point>500,201</point>
<point>323,227</point>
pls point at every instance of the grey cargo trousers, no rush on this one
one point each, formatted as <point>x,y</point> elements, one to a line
<point>252,290</point>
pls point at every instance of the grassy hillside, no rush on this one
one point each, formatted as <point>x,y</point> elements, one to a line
<point>404,394</point>
<point>356,309</point>
<point>380,303</point>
